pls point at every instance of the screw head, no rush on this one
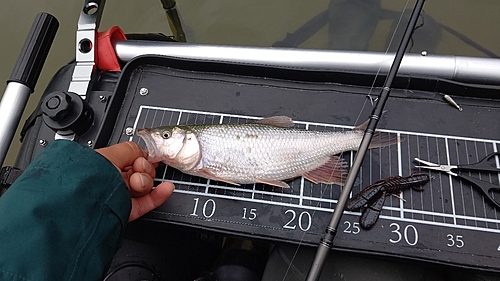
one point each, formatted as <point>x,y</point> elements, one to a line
<point>90,143</point>
<point>424,53</point>
<point>102,98</point>
<point>129,131</point>
<point>143,91</point>
<point>42,142</point>
<point>53,102</point>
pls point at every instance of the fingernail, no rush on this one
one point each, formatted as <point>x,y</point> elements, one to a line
<point>147,166</point>
<point>145,182</point>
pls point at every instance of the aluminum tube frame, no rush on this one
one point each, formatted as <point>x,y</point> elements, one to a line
<point>457,68</point>
<point>13,102</point>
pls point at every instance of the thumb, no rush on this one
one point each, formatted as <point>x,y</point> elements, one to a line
<point>122,154</point>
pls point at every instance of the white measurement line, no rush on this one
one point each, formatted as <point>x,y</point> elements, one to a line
<point>480,177</point>
<point>497,160</point>
<point>400,173</point>
<point>452,198</point>
<point>409,164</point>
<point>301,196</point>
<point>236,189</point>
<point>179,118</point>
<point>139,114</point>
<point>463,217</point>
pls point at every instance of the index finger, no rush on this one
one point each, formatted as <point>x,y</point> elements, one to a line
<point>122,154</point>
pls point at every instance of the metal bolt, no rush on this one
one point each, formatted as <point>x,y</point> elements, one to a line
<point>90,143</point>
<point>42,142</point>
<point>129,131</point>
<point>143,91</point>
<point>424,53</point>
<point>452,102</point>
<point>102,98</point>
<point>53,102</point>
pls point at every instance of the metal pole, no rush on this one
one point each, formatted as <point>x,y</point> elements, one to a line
<point>457,68</point>
<point>13,102</point>
<point>327,241</point>
<point>24,77</point>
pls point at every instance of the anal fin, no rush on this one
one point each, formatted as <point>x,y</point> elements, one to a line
<point>277,183</point>
<point>209,175</point>
<point>332,172</point>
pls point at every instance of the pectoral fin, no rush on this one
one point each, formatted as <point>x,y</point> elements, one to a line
<point>332,172</point>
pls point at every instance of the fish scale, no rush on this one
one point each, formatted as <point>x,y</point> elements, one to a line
<point>268,152</point>
<point>255,152</point>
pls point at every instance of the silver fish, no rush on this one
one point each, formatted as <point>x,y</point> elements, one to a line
<point>265,151</point>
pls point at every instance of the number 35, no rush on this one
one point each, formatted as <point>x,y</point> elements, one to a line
<point>455,241</point>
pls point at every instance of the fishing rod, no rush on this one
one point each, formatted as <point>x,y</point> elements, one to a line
<point>326,243</point>
<point>174,21</point>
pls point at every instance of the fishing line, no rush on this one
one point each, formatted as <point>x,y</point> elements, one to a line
<point>302,238</point>
<point>312,216</point>
<point>370,98</point>
<point>326,243</point>
<point>356,121</point>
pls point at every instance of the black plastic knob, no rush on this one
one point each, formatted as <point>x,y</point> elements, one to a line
<point>58,107</point>
<point>66,111</point>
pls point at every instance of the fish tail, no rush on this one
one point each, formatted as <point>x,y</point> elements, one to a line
<point>380,139</point>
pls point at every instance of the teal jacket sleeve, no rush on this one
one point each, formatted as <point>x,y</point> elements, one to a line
<point>64,217</point>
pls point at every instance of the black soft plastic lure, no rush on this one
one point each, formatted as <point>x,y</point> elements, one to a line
<point>372,197</point>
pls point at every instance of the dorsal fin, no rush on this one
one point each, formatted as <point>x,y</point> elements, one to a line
<point>379,139</point>
<point>363,126</point>
<point>276,121</point>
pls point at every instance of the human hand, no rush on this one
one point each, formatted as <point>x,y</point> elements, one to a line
<point>138,174</point>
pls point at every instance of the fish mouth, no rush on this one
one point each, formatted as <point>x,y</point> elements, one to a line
<point>151,148</point>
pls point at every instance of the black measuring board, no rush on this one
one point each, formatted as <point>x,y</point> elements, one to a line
<point>448,222</point>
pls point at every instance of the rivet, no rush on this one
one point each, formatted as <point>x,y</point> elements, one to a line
<point>129,131</point>
<point>143,91</point>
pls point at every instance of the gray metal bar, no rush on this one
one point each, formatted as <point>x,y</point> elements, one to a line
<point>457,68</point>
<point>12,105</point>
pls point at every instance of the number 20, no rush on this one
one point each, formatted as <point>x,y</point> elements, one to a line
<point>304,221</point>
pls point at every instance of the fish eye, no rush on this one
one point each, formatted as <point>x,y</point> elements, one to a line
<point>166,134</point>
